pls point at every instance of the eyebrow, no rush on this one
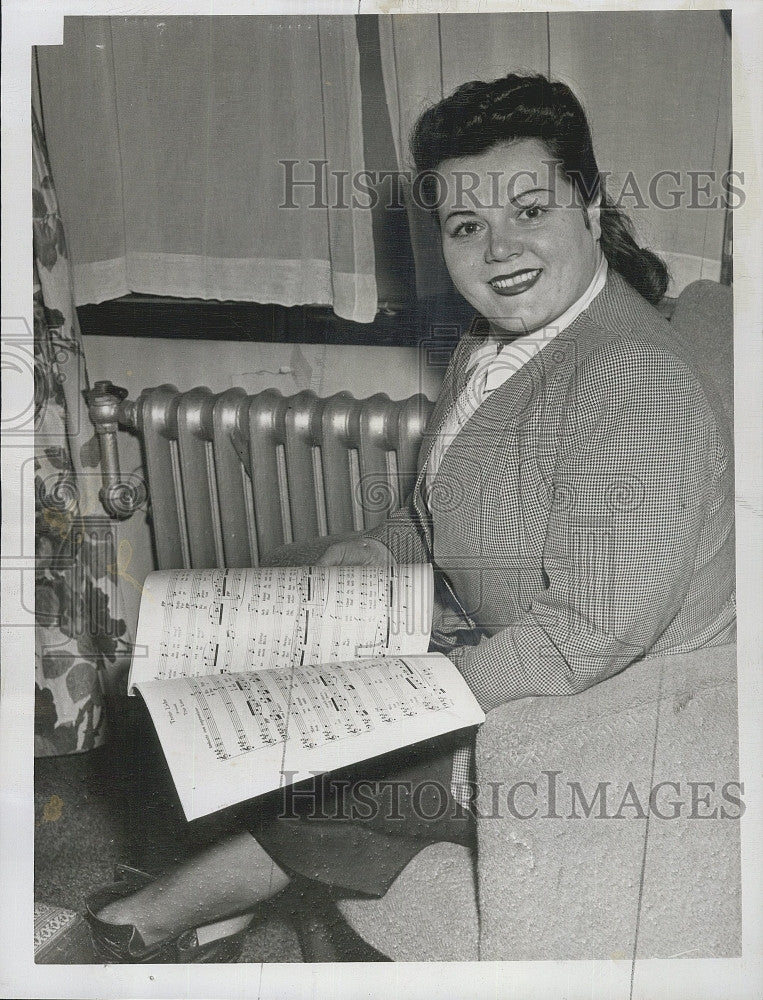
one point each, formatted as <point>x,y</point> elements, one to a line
<point>514,201</point>
<point>523,194</point>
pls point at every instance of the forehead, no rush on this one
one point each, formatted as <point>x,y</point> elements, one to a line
<point>503,172</point>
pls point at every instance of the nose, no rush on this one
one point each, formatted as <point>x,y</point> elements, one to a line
<point>502,245</point>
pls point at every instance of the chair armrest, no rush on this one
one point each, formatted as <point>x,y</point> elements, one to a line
<point>621,880</point>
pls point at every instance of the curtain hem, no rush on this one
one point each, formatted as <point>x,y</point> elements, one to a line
<point>189,276</point>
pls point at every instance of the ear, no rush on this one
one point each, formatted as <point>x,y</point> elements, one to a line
<point>593,212</point>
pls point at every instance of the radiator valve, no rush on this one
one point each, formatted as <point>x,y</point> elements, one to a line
<point>107,405</point>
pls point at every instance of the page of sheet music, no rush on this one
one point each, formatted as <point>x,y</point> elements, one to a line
<point>233,736</point>
<point>196,622</point>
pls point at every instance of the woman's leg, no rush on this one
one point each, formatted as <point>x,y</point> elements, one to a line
<point>228,878</point>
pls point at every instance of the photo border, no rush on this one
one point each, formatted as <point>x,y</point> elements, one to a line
<point>41,23</point>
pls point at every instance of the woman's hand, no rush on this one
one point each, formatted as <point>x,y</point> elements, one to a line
<point>357,552</point>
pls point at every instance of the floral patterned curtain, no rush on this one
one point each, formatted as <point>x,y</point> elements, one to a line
<point>81,647</point>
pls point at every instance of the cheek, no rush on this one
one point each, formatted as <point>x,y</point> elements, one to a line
<point>461,266</point>
<point>563,257</point>
<point>449,258</point>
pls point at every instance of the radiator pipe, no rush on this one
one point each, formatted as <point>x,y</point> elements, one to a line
<point>108,408</point>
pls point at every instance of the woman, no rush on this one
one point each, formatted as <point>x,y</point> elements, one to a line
<point>574,495</point>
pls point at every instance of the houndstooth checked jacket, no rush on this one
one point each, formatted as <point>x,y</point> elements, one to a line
<point>584,515</point>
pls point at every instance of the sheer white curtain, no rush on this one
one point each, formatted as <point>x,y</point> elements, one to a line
<point>656,86</point>
<point>165,136</point>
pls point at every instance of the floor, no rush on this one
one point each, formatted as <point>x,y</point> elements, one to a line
<point>93,809</point>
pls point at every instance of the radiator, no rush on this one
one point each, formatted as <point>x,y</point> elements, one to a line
<point>231,476</point>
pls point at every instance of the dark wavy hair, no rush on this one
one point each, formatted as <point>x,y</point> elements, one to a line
<point>480,115</point>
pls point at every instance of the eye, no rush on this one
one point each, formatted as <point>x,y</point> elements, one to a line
<point>469,228</point>
<point>532,213</point>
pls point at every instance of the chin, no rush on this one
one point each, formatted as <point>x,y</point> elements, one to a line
<point>518,324</point>
<point>524,320</point>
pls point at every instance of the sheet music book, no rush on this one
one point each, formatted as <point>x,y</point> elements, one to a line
<point>259,678</point>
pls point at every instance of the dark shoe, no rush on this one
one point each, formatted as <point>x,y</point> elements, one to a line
<point>122,943</point>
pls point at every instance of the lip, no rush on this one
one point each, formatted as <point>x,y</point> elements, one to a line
<point>517,282</point>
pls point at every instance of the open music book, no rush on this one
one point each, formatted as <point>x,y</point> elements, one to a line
<point>259,678</point>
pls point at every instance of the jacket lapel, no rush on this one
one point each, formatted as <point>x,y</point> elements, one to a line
<point>510,400</point>
<point>453,383</point>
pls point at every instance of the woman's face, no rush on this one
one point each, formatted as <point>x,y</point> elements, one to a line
<point>518,248</point>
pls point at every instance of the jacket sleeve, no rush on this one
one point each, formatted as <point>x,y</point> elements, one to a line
<point>405,535</point>
<point>630,493</point>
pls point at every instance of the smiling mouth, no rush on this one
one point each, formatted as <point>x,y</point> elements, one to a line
<point>515,284</point>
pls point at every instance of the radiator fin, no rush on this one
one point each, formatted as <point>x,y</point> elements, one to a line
<point>179,497</point>
<point>232,476</point>
<point>230,431</point>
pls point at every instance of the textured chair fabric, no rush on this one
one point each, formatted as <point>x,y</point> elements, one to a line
<point>437,922</point>
<point>653,879</point>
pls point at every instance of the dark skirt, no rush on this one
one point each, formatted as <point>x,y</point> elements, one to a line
<point>356,829</point>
